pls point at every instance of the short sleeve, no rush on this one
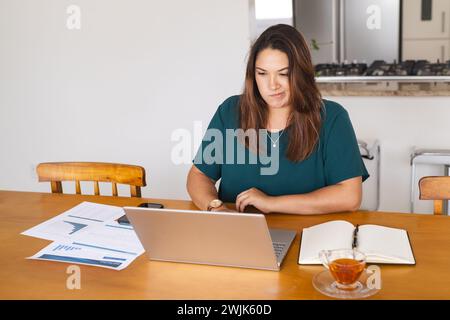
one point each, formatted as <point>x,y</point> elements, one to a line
<point>209,156</point>
<point>342,158</point>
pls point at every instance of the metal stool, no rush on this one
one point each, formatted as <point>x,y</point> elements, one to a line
<point>428,156</point>
<point>372,153</point>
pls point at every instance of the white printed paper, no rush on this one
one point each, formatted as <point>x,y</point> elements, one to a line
<point>75,221</point>
<point>88,234</point>
<point>74,254</point>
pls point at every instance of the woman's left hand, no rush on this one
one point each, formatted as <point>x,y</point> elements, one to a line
<point>253,197</point>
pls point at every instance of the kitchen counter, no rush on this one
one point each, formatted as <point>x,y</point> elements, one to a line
<point>384,86</point>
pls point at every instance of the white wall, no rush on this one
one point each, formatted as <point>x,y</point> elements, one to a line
<point>401,123</point>
<point>115,91</point>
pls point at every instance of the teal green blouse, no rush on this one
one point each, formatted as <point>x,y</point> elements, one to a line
<point>335,158</point>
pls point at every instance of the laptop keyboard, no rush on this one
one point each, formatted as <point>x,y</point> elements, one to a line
<point>278,247</point>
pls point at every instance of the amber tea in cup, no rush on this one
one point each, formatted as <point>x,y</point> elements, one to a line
<point>345,265</point>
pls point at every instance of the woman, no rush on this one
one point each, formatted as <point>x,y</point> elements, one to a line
<point>320,169</point>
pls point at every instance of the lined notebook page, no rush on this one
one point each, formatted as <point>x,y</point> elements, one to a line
<point>328,236</point>
<point>389,244</point>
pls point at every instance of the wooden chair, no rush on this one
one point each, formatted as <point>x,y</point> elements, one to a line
<point>55,172</point>
<point>435,188</point>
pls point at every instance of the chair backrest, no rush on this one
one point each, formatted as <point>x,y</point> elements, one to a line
<point>55,172</point>
<point>435,188</point>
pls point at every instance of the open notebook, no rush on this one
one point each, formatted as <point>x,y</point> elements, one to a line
<point>379,244</point>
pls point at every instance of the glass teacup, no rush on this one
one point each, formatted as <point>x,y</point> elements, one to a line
<point>345,265</point>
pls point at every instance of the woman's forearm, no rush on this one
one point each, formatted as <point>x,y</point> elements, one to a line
<point>335,198</point>
<point>201,188</point>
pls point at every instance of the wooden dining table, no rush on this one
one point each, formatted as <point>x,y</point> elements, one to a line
<point>22,278</point>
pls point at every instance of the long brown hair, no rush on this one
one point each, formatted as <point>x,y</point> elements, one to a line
<point>305,98</point>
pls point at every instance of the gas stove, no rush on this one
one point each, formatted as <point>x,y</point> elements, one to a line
<point>380,68</point>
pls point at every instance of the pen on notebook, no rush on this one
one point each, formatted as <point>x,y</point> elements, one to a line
<point>355,237</point>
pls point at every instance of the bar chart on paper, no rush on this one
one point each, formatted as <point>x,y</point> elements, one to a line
<point>65,248</point>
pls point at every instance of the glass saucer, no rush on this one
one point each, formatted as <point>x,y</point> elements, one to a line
<point>325,284</point>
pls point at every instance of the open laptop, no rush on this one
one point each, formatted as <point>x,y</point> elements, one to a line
<point>214,238</point>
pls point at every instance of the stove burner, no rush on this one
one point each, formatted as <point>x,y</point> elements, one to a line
<point>339,70</point>
<point>382,68</point>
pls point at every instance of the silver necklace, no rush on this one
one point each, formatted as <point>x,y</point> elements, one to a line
<point>274,143</point>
